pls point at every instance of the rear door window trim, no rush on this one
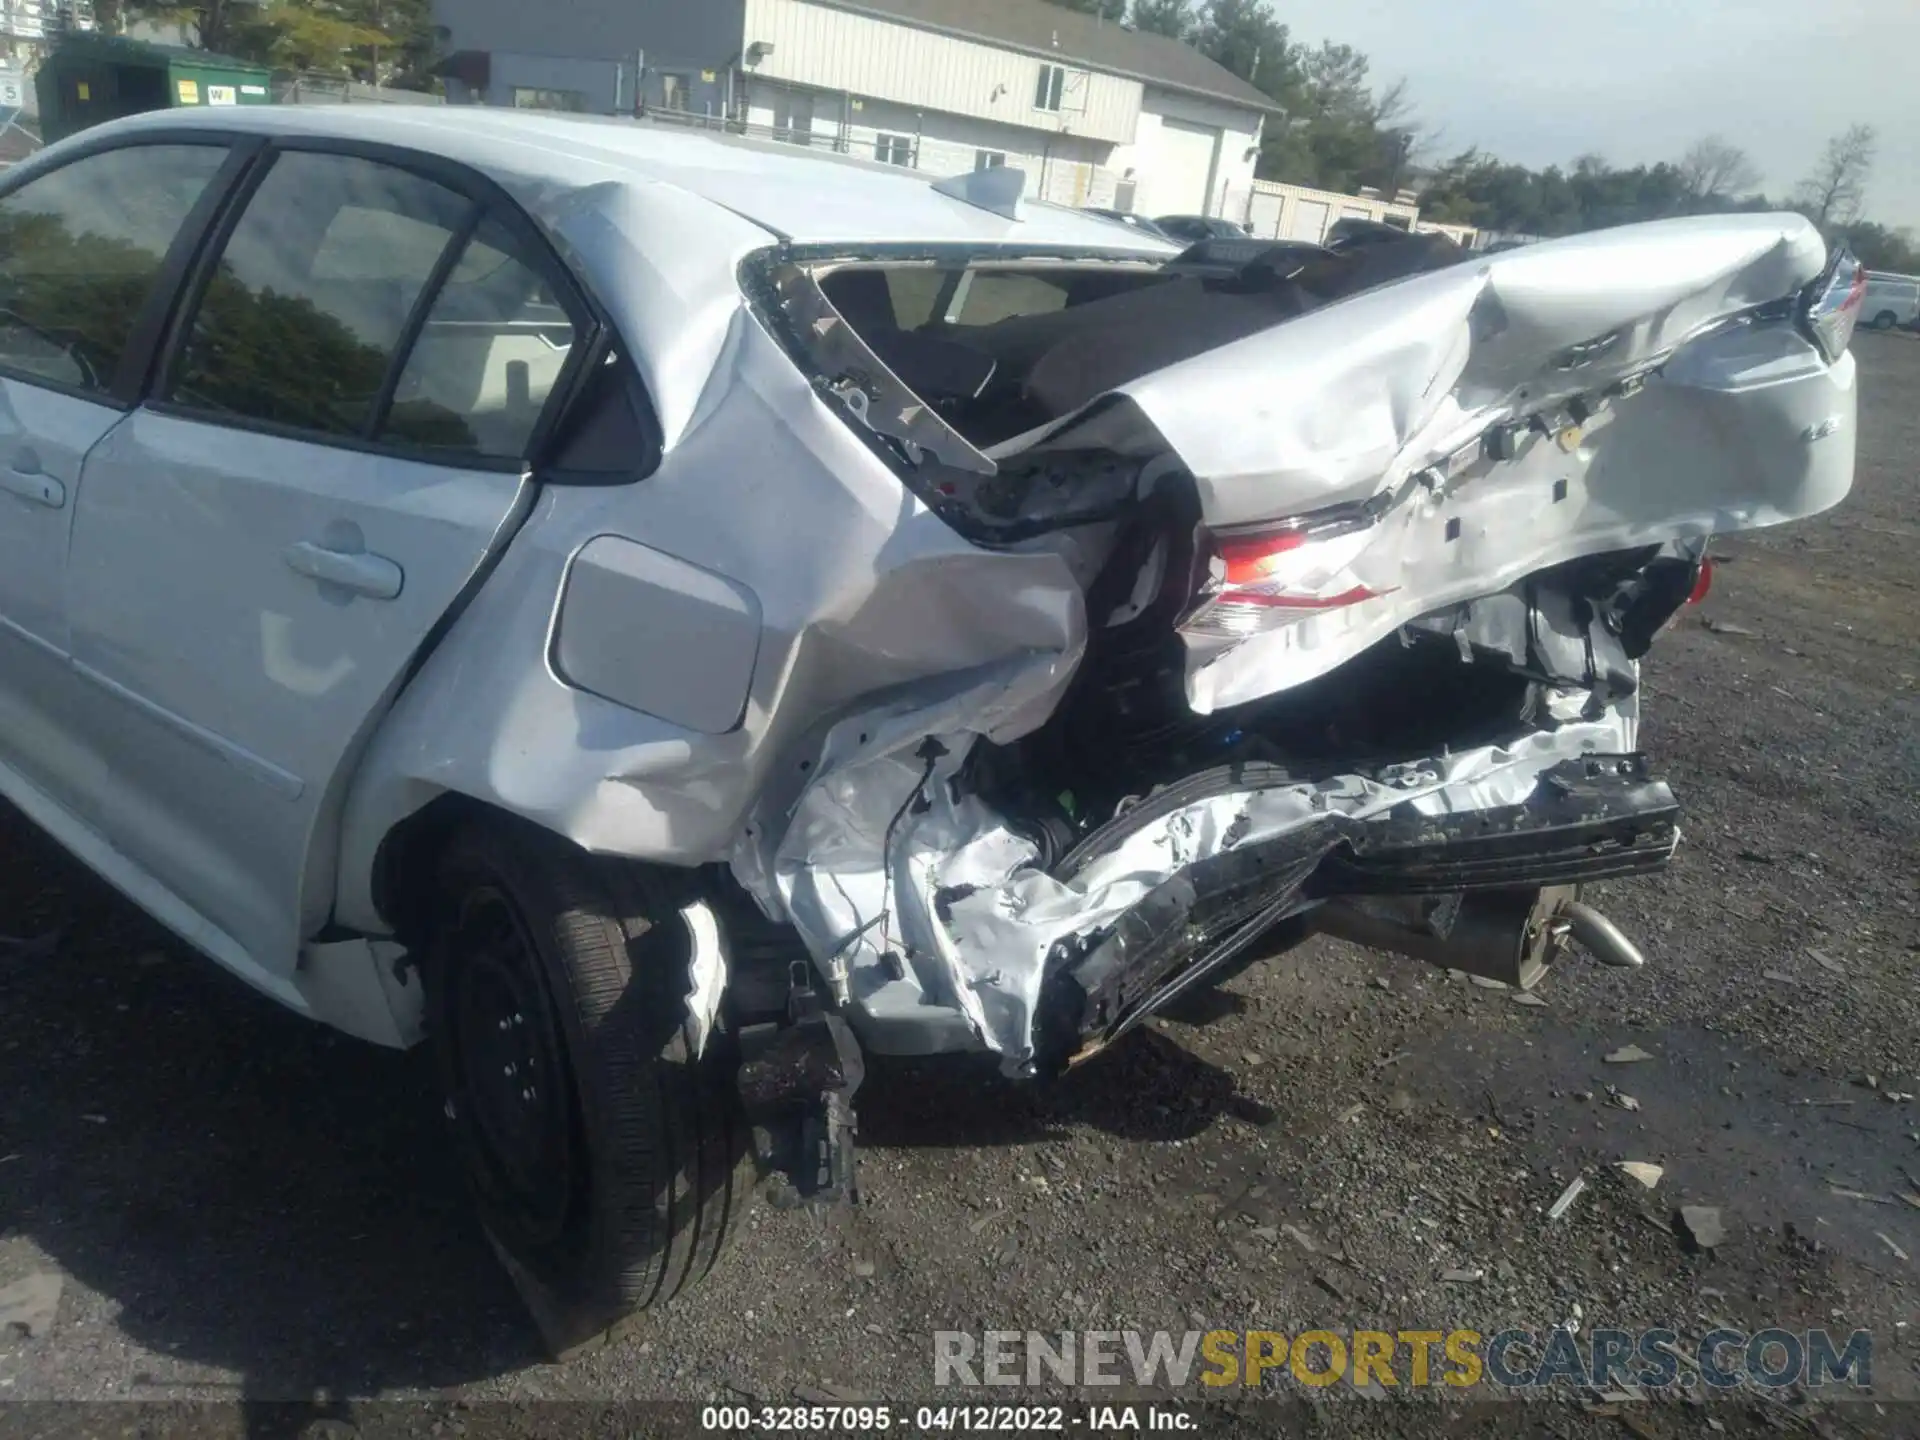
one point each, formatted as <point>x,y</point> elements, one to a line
<point>489,202</point>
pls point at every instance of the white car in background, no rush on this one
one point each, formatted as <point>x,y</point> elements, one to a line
<point>1891,301</point>
<point>667,617</point>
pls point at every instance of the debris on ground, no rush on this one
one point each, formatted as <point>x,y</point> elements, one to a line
<point>1727,627</point>
<point>1702,1226</point>
<point>1627,1055</point>
<point>1623,1100</point>
<point>1527,997</point>
<point>1567,1197</point>
<point>1848,1193</point>
<point>1648,1175</point>
<point>1898,1253</point>
<point>1826,962</point>
<point>28,1307</point>
<point>1470,1277</point>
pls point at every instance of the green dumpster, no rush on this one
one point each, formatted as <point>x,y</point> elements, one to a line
<point>90,78</point>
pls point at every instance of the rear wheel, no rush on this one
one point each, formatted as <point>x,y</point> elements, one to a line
<point>1885,320</point>
<point>607,1158</point>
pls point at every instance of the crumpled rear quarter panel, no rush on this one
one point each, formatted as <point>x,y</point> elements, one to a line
<point>860,590</point>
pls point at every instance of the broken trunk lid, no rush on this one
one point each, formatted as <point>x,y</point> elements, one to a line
<point>1423,442</point>
<point>1435,439</point>
<point>1347,400</point>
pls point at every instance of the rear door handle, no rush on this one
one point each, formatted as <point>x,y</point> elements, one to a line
<point>362,572</point>
<point>40,488</point>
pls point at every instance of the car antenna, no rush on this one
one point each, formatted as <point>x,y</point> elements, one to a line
<point>998,188</point>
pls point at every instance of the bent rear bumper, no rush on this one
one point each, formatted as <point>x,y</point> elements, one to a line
<point>1592,818</point>
<point>939,927</point>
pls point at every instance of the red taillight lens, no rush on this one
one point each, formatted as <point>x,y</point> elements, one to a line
<point>1252,560</point>
<point>1702,582</point>
<point>1832,305</point>
<point>1266,581</point>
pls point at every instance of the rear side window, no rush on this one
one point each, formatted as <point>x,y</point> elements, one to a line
<point>310,298</point>
<point>487,360</point>
<point>80,250</point>
<point>358,299</point>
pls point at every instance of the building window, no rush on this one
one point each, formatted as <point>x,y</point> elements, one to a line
<point>531,99</point>
<point>1053,81</point>
<point>675,92</point>
<point>893,149</point>
<point>989,159</point>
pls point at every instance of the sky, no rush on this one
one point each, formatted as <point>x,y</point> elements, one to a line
<point>1541,81</point>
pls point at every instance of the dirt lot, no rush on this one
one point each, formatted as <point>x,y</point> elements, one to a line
<point>245,1207</point>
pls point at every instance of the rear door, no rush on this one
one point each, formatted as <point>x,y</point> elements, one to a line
<point>84,274</point>
<point>337,441</point>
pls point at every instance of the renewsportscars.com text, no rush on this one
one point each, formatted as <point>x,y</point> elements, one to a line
<point>1415,1359</point>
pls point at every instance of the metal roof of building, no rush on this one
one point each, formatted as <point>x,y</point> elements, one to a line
<point>1055,31</point>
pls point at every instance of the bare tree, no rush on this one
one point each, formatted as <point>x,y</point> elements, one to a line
<point>1717,169</point>
<point>1837,189</point>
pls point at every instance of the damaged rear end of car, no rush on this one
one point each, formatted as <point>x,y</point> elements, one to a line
<point>1365,546</point>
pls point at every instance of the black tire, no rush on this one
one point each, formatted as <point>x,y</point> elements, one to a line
<point>1885,320</point>
<point>609,1164</point>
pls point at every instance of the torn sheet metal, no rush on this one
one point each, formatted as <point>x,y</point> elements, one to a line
<point>902,883</point>
<point>706,973</point>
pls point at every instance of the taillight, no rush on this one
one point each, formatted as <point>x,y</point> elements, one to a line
<point>1265,581</point>
<point>1702,582</point>
<point>1831,307</point>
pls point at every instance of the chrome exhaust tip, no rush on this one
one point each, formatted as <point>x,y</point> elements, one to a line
<point>1600,937</point>
<point>1512,936</point>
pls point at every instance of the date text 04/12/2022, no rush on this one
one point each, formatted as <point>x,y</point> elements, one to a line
<point>945,1419</point>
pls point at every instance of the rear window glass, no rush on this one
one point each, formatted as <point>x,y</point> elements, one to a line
<point>915,295</point>
<point>989,296</point>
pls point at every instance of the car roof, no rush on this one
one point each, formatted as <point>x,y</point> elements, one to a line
<point>797,194</point>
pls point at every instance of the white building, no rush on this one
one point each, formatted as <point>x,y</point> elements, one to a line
<point>1096,114</point>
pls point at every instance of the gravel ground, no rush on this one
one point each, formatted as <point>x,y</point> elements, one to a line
<point>243,1207</point>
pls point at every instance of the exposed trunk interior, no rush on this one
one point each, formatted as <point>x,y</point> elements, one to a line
<point>1560,644</point>
<point>1002,349</point>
